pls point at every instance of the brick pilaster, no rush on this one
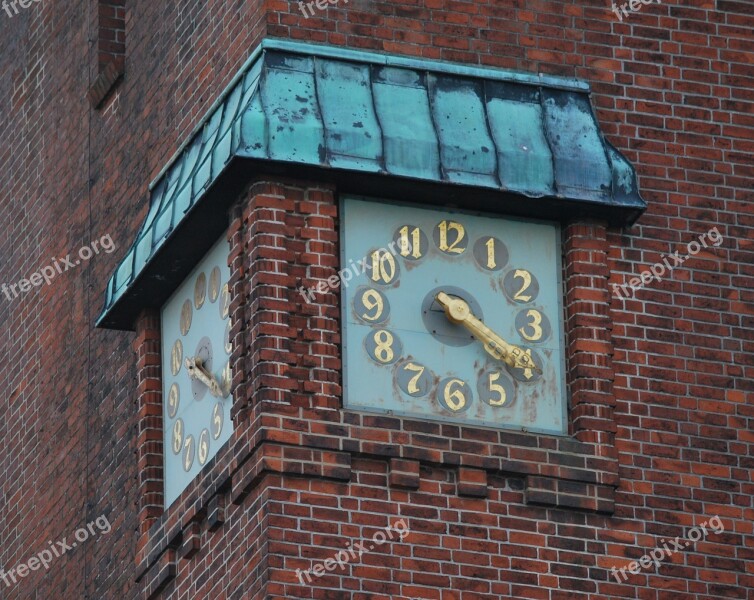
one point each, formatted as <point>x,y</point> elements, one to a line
<point>588,329</point>
<point>239,316</point>
<point>111,49</point>
<point>291,342</point>
<point>149,402</point>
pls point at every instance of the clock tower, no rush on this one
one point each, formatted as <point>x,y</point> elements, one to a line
<point>376,300</point>
<point>337,309</point>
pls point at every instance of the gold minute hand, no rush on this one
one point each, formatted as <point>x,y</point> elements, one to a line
<point>458,311</point>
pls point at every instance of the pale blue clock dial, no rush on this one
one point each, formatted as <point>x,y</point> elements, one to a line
<point>402,355</point>
<point>196,325</point>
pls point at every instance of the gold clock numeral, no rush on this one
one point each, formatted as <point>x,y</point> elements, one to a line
<point>455,394</point>
<point>224,302</point>
<point>445,228</point>
<point>384,349</point>
<point>413,378</point>
<point>491,264</point>
<point>228,344</point>
<point>526,277</point>
<point>176,357</point>
<point>372,301</point>
<point>382,346</point>
<point>174,400</point>
<point>227,379</point>
<point>200,290</point>
<point>454,398</point>
<point>413,388</point>
<point>202,452</point>
<point>383,266</point>
<point>218,415</point>
<point>535,325</point>
<point>521,286</point>
<point>412,242</point>
<point>177,436</point>
<point>370,306</point>
<point>186,316</point>
<point>214,284</point>
<point>498,389</point>
<point>412,248</point>
<point>490,253</point>
<point>188,453</point>
<point>527,375</point>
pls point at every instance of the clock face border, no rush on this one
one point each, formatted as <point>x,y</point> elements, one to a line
<point>194,318</point>
<point>443,212</point>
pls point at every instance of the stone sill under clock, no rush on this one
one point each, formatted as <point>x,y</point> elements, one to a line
<point>558,472</point>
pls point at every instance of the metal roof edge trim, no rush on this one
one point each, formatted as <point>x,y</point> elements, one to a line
<point>326,51</point>
<point>256,53</point>
<point>628,201</point>
<point>424,64</point>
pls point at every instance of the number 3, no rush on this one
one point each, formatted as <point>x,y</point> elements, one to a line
<point>536,320</point>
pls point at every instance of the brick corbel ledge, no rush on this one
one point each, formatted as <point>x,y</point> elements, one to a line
<point>287,407</point>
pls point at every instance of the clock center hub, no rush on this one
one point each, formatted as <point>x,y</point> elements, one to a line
<point>437,323</point>
<point>203,353</point>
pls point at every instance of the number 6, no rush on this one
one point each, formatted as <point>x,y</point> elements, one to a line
<point>454,399</point>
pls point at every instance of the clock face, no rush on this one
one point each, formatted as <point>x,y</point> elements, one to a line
<point>452,316</point>
<point>196,413</point>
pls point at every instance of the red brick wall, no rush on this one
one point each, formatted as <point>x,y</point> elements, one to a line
<point>673,92</point>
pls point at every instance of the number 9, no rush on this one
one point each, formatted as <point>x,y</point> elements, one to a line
<point>372,299</point>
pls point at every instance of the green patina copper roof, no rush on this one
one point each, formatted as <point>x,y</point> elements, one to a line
<point>534,136</point>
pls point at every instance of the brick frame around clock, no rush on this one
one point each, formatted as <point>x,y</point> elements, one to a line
<point>288,414</point>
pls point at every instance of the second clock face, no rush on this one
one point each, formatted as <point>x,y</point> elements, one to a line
<point>196,328</point>
<point>404,353</point>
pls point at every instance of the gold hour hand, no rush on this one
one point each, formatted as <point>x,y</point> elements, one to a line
<point>197,371</point>
<point>459,312</point>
